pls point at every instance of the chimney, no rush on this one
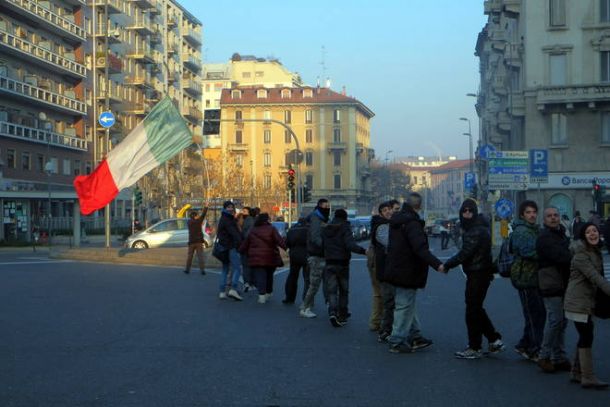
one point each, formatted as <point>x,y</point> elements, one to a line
<point>343,92</point>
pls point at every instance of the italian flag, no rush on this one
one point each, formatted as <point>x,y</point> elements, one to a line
<point>159,137</point>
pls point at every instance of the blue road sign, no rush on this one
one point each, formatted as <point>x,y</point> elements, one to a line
<point>469,181</point>
<point>504,208</point>
<point>485,150</point>
<point>539,165</point>
<point>106,119</point>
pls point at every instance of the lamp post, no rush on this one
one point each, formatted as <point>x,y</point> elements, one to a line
<point>469,134</point>
<point>389,180</point>
<point>48,167</point>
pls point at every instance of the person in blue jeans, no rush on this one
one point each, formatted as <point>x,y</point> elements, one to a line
<point>229,237</point>
<point>407,263</point>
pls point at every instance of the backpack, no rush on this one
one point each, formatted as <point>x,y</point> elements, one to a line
<point>506,258</point>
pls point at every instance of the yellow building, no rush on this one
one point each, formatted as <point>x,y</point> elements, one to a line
<point>333,131</point>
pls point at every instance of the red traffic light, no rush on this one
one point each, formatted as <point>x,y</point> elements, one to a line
<point>291,172</point>
<point>597,187</point>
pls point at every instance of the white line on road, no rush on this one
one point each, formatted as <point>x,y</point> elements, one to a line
<point>16,263</point>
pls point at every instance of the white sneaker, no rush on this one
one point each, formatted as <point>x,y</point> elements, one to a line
<point>307,313</point>
<point>234,294</point>
<point>262,298</point>
<point>222,296</point>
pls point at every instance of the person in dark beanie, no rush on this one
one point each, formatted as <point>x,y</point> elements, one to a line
<point>296,241</point>
<point>229,237</point>
<point>338,242</point>
<point>475,258</point>
<point>195,227</point>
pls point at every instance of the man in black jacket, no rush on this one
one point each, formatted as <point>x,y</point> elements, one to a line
<point>554,259</point>
<point>407,265</point>
<point>296,241</point>
<point>195,227</point>
<point>475,258</point>
<point>229,237</point>
<point>338,242</point>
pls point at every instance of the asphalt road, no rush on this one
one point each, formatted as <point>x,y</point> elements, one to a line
<point>82,334</point>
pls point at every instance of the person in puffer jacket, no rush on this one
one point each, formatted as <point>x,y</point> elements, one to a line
<point>338,243</point>
<point>475,258</point>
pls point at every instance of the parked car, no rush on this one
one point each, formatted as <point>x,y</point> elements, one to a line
<point>166,233</point>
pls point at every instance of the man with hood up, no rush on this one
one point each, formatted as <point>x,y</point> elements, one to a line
<point>318,219</point>
<point>338,242</point>
<point>407,263</point>
<point>475,258</point>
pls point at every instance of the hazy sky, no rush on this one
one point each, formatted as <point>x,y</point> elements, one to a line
<point>410,61</point>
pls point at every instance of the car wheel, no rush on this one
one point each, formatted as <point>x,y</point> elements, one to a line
<point>139,244</point>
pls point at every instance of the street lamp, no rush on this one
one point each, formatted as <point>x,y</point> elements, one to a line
<point>469,134</point>
<point>48,167</point>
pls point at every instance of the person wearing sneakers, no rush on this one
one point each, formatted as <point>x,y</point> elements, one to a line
<point>296,241</point>
<point>261,249</point>
<point>195,227</point>
<point>315,254</point>
<point>553,248</point>
<point>338,242</point>
<point>228,236</point>
<point>586,277</point>
<point>407,263</point>
<point>475,258</point>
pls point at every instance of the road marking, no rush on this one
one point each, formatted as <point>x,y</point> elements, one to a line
<point>33,258</point>
<point>16,263</point>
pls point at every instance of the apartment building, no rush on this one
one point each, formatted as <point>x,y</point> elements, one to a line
<point>545,75</point>
<point>242,70</point>
<point>447,188</point>
<point>145,50</point>
<point>333,131</point>
<point>44,134</point>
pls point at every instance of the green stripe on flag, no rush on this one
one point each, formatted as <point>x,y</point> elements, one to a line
<point>166,131</point>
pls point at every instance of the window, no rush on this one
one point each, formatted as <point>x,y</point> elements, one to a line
<point>88,168</point>
<point>76,167</point>
<point>604,11</point>
<point>558,69</point>
<point>238,137</point>
<point>40,162</point>
<point>239,160</point>
<point>236,94</point>
<point>287,116</point>
<point>309,136</point>
<point>336,158</point>
<point>557,13</point>
<point>559,134</point>
<point>267,181</point>
<point>53,165</point>
<point>605,139</point>
<point>11,162</point>
<point>308,116</point>
<point>261,93</point>
<point>337,181</point>
<point>307,93</point>
<point>309,181</point>
<point>245,74</point>
<point>66,167</point>
<point>415,180</point>
<point>267,137</point>
<point>336,135</point>
<point>308,158</point>
<point>259,74</point>
<point>267,115</point>
<point>26,163</point>
<point>286,93</point>
<point>238,115</point>
<point>267,159</point>
<point>605,68</point>
<point>287,137</point>
<point>337,116</point>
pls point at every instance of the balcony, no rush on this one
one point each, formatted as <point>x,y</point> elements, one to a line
<point>33,93</point>
<point>512,54</point>
<point>191,62</point>
<point>492,6</point>
<point>333,146</point>
<point>32,134</point>
<point>144,4</point>
<point>137,109</point>
<point>115,65</point>
<point>76,2</point>
<point>590,94</point>
<point>142,25</point>
<point>142,81</point>
<point>41,56</point>
<point>238,147</point>
<point>157,7</point>
<point>114,6</point>
<point>512,6</point>
<point>143,54</point>
<point>498,85</point>
<point>114,95</point>
<point>191,86</point>
<point>191,35</point>
<point>53,22</point>
<point>156,37</point>
<point>193,114</point>
<point>100,32</point>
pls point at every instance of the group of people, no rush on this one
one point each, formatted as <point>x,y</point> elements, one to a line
<point>557,279</point>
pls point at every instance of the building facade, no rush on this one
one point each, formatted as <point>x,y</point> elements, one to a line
<point>333,131</point>
<point>545,84</point>
<point>447,188</point>
<point>44,136</point>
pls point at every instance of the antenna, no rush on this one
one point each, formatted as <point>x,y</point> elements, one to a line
<point>323,62</point>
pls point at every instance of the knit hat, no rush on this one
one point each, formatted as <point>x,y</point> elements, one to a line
<point>341,214</point>
<point>226,204</point>
<point>472,205</point>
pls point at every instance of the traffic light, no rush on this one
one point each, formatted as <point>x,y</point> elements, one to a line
<point>291,174</point>
<point>137,196</point>
<point>597,189</point>
<point>306,194</point>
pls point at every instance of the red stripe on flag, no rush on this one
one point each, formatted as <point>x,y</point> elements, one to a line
<point>95,190</point>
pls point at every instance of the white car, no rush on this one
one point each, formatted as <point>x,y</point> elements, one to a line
<point>165,233</point>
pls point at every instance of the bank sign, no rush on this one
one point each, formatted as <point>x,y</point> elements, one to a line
<point>576,180</point>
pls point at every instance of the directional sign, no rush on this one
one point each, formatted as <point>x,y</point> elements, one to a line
<point>539,166</point>
<point>504,208</point>
<point>508,170</point>
<point>469,181</point>
<point>106,120</point>
<point>485,150</point>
